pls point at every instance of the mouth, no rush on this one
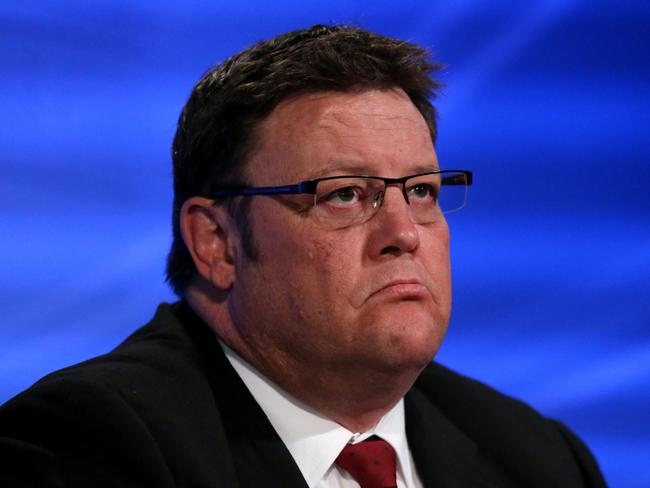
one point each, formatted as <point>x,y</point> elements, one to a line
<point>402,290</point>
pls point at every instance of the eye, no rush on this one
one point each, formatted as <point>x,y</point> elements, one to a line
<point>422,192</point>
<point>348,195</point>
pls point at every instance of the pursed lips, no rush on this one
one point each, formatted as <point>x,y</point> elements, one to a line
<point>402,288</point>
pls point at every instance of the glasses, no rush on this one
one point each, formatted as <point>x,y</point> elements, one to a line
<point>342,201</point>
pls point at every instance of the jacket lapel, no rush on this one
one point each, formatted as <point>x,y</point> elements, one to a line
<point>259,456</point>
<point>444,456</point>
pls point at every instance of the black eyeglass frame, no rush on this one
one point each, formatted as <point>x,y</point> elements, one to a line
<point>309,187</point>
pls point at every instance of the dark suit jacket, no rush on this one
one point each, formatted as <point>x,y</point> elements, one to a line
<point>166,409</point>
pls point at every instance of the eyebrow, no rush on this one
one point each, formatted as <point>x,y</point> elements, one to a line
<point>345,169</point>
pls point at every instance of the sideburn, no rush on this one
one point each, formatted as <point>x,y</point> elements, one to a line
<point>239,209</point>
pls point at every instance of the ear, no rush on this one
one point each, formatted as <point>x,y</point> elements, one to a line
<point>209,236</point>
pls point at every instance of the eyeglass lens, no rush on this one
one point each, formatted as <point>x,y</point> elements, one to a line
<point>344,201</point>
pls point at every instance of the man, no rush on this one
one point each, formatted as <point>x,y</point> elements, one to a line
<point>311,256</point>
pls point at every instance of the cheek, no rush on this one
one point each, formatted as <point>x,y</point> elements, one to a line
<point>435,255</point>
<point>297,261</point>
<point>323,277</point>
<point>336,262</point>
<point>294,243</point>
<point>318,252</point>
<point>325,272</point>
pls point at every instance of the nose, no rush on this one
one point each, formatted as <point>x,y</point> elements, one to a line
<point>394,230</point>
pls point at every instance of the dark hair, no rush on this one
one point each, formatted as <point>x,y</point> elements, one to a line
<point>216,129</point>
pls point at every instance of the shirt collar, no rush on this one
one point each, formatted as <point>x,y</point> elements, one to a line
<point>314,440</point>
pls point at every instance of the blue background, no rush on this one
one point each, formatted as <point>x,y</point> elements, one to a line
<point>547,101</point>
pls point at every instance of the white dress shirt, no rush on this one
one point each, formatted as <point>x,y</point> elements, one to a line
<point>314,440</point>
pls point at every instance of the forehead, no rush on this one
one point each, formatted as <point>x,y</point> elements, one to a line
<point>320,134</point>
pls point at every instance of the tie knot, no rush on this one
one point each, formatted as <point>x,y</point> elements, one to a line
<point>371,463</point>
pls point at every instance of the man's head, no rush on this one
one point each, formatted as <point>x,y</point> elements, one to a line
<point>319,288</point>
<point>217,129</point>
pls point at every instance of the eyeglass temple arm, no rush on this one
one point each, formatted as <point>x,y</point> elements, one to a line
<point>299,188</point>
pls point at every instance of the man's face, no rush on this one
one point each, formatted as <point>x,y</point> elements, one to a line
<point>373,295</point>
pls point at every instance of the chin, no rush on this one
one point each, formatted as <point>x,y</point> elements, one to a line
<point>418,355</point>
<point>408,335</point>
<point>415,348</point>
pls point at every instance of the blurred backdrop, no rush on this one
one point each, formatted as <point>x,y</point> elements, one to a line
<point>548,102</point>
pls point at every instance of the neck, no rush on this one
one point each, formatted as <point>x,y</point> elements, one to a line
<point>356,395</point>
<point>355,398</point>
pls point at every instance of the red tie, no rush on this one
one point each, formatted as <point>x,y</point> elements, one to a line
<point>371,462</point>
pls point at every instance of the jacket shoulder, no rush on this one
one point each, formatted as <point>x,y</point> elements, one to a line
<point>506,430</point>
<point>137,416</point>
